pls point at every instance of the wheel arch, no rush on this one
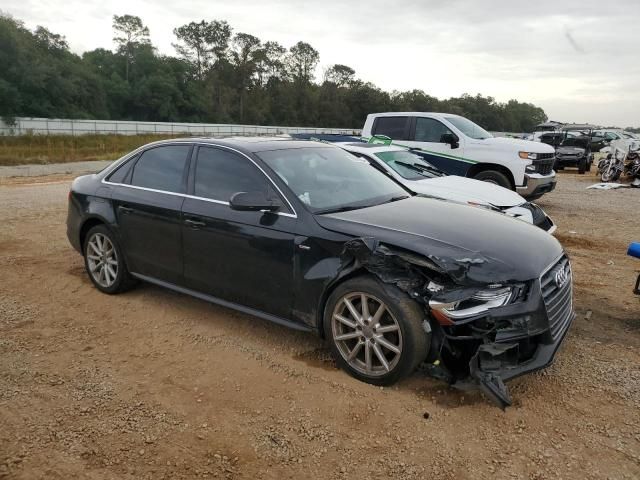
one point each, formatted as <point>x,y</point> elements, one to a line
<point>87,225</point>
<point>322,304</point>
<point>483,167</point>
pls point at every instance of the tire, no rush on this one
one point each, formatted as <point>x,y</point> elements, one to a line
<point>582,166</point>
<point>494,177</point>
<point>100,246</point>
<point>401,321</point>
<point>610,174</point>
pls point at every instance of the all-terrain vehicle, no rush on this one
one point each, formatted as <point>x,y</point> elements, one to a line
<point>575,148</point>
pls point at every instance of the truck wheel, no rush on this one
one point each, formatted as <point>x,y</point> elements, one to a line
<point>582,166</point>
<point>497,178</point>
<point>375,330</point>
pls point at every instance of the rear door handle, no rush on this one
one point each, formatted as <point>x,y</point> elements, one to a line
<point>194,223</point>
<point>126,210</point>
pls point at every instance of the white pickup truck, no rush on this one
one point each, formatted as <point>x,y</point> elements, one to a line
<point>458,146</point>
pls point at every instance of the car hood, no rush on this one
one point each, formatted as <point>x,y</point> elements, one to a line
<point>463,190</point>
<point>473,246</point>
<point>567,149</point>
<point>516,144</point>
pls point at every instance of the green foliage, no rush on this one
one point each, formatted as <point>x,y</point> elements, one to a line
<point>217,77</point>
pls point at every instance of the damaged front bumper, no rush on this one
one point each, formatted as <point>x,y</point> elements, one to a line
<point>516,339</point>
<point>480,337</point>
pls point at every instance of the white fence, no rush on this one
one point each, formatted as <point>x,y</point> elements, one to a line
<point>55,126</point>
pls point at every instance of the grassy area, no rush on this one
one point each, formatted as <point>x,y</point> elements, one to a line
<point>43,149</point>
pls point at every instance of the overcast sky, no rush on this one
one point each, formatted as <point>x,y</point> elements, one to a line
<point>577,59</point>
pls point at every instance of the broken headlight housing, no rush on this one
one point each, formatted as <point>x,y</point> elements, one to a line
<point>475,305</point>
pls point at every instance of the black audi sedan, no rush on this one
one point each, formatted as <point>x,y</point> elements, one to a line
<point>308,236</point>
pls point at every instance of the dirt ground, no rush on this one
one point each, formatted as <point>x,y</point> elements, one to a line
<point>153,384</point>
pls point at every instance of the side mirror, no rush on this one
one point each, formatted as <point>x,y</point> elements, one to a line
<point>252,202</point>
<point>451,139</point>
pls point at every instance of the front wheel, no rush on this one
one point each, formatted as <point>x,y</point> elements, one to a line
<point>582,166</point>
<point>375,331</point>
<point>492,176</point>
<point>610,173</point>
<point>104,261</point>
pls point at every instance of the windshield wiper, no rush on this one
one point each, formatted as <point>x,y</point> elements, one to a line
<point>344,208</point>
<point>347,208</point>
<point>419,167</point>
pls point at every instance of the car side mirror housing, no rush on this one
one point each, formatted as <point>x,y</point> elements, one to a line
<point>451,139</point>
<point>252,202</point>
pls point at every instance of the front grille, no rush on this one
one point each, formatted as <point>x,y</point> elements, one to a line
<point>544,166</point>
<point>558,298</point>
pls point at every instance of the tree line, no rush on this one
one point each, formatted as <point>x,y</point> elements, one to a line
<point>217,76</point>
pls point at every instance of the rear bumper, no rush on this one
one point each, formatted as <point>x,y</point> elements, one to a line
<point>536,185</point>
<point>74,223</point>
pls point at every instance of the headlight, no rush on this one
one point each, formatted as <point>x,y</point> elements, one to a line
<point>528,155</point>
<point>474,203</point>
<point>530,168</point>
<point>478,303</point>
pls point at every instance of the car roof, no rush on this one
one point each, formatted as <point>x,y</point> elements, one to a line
<point>414,114</point>
<point>578,126</point>
<point>250,144</point>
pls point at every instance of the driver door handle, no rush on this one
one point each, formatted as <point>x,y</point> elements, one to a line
<point>194,223</point>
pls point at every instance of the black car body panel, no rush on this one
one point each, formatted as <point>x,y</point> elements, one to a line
<point>282,265</point>
<point>471,255</point>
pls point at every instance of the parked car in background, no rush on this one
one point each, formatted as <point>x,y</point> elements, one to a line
<point>621,137</point>
<point>575,148</point>
<point>458,146</point>
<point>307,235</point>
<point>419,176</point>
<point>544,128</point>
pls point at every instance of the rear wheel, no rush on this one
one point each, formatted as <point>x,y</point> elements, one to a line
<point>104,261</point>
<point>492,176</point>
<point>375,331</point>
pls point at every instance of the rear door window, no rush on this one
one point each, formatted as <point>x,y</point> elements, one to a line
<point>162,168</point>
<point>430,130</point>
<point>395,128</point>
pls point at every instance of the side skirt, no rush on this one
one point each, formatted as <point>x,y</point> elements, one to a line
<point>224,303</point>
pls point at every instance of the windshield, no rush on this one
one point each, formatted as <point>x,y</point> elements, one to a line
<point>469,128</point>
<point>328,179</point>
<point>408,165</point>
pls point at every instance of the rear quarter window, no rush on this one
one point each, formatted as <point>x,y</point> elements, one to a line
<point>395,128</point>
<point>121,172</point>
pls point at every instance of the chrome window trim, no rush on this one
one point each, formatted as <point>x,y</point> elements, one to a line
<point>117,163</point>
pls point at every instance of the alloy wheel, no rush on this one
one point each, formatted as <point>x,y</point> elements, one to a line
<point>366,334</point>
<point>102,260</point>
